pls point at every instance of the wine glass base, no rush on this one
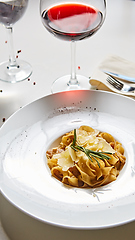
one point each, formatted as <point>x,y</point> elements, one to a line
<point>16,73</point>
<point>63,84</point>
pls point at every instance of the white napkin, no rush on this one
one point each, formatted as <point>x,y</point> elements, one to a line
<point>117,65</point>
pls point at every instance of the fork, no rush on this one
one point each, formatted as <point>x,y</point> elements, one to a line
<point>119,85</point>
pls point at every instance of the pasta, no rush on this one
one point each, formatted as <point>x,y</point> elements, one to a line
<point>86,157</point>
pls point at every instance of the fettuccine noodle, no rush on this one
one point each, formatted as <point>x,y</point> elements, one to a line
<point>75,168</point>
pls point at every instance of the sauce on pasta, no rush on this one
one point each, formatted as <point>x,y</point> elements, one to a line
<point>74,167</point>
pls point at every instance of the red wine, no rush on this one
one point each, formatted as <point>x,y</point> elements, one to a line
<point>11,13</point>
<point>72,21</point>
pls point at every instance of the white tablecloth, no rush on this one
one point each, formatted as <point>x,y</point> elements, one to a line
<point>50,58</point>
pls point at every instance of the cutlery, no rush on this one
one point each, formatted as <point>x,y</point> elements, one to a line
<point>123,77</point>
<point>119,85</point>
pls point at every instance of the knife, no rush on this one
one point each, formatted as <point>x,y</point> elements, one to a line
<point>123,77</point>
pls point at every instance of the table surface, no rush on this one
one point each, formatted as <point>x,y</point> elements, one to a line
<point>50,57</point>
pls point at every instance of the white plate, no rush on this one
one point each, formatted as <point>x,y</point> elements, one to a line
<point>26,180</point>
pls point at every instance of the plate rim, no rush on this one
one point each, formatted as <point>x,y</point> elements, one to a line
<point>60,225</point>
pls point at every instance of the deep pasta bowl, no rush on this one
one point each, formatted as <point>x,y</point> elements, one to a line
<point>26,180</point>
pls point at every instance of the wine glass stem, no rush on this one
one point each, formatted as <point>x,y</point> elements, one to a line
<point>12,60</point>
<point>73,79</point>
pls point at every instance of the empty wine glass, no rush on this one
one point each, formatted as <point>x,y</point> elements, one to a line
<point>13,70</point>
<point>72,20</point>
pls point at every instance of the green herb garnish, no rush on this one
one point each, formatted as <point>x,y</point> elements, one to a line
<point>92,155</point>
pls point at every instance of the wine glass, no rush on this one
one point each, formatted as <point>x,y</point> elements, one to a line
<point>72,20</point>
<point>13,70</point>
